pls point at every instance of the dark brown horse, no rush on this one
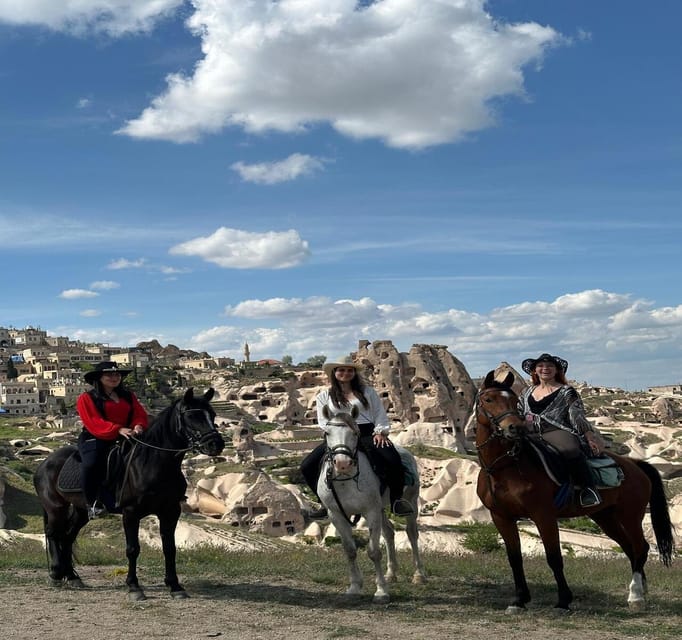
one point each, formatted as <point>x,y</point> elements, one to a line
<point>152,483</point>
<point>513,485</point>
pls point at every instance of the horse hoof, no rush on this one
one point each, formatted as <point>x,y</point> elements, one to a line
<point>56,583</point>
<point>136,596</point>
<point>76,583</point>
<point>514,610</point>
<point>381,598</point>
<point>637,605</point>
<point>418,578</point>
<point>391,578</point>
<point>179,595</point>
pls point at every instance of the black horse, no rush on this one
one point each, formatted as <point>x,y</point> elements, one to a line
<point>150,482</point>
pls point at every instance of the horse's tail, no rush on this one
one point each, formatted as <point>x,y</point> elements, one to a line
<point>660,516</point>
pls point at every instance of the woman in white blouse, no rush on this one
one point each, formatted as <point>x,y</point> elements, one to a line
<point>347,389</point>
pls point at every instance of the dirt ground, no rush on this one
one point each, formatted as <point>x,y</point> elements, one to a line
<point>32,610</point>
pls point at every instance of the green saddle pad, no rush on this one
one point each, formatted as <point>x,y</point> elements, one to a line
<point>606,472</point>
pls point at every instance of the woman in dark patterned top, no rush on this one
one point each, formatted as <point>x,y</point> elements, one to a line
<point>554,409</point>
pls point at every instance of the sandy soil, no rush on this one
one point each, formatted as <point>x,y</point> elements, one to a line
<point>31,610</point>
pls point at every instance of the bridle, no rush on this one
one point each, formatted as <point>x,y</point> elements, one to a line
<point>183,429</point>
<point>498,432</point>
<point>343,449</point>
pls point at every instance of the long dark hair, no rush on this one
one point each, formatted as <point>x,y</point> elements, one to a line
<point>336,392</point>
<point>99,397</point>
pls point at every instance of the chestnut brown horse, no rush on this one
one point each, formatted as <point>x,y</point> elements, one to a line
<point>513,485</point>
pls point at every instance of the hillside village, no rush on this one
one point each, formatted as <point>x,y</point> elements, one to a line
<point>267,412</point>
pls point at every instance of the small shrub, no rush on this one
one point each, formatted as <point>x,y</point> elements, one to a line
<point>481,537</point>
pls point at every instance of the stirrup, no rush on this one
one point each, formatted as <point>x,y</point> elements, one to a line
<point>318,514</point>
<point>402,508</point>
<point>95,511</point>
<point>589,497</point>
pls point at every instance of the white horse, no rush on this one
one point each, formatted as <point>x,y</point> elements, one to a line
<point>348,486</point>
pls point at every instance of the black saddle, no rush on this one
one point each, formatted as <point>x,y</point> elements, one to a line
<point>69,480</point>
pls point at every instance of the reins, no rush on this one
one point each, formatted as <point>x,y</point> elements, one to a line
<point>343,449</point>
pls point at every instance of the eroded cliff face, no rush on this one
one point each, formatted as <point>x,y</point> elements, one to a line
<point>425,385</point>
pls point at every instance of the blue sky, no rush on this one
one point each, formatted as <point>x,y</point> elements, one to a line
<point>500,177</point>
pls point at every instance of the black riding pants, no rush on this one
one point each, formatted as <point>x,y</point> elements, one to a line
<point>385,461</point>
<point>94,454</point>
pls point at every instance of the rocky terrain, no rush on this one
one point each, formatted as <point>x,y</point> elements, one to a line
<point>269,425</point>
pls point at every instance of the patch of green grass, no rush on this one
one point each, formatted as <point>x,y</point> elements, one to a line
<point>581,523</point>
<point>481,537</point>
<point>432,453</point>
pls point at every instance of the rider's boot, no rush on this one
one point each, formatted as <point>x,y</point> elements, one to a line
<point>582,476</point>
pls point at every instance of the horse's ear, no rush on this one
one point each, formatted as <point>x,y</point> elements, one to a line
<point>209,394</point>
<point>509,379</point>
<point>489,379</point>
<point>189,395</point>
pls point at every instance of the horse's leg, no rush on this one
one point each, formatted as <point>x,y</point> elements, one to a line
<point>549,532</point>
<point>388,532</point>
<point>374,518</point>
<point>168,521</point>
<point>76,521</point>
<point>512,541</point>
<point>131,526</point>
<point>633,543</point>
<point>345,532</point>
<point>419,575</point>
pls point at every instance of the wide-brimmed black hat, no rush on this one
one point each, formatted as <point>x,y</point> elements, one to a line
<point>104,367</point>
<point>529,364</point>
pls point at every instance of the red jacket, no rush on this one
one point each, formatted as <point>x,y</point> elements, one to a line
<point>117,416</point>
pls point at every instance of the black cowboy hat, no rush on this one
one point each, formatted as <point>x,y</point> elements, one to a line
<point>529,364</point>
<point>104,367</point>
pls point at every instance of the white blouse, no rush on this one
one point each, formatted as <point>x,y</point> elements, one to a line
<point>374,413</point>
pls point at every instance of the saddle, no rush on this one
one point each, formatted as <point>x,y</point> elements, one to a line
<point>69,480</point>
<point>605,471</point>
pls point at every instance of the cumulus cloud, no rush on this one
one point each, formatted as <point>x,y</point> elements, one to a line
<point>75,294</point>
<point>104,285</point>
<point>114,17</point>
<point>412,73</point>
<point>236,249</point>
<point>608,338</point>
<point>295,166</point>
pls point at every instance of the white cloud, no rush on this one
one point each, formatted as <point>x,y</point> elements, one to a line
<point>90,313</point>
<point>115,17</point>
<point>235,249</point>
<point>105,285</point>
<point>608,338</point>
<point>76,294</point>
<point>124,263</point>
<point>413,73</point>
<point>295,166</point>
<point>83,103</point>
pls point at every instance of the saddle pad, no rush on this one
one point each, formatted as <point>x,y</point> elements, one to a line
<point>411,472</point>
<point>69,479</point>
<point>605,472</point>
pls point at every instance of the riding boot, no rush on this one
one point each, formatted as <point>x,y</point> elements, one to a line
<point>582,476</point>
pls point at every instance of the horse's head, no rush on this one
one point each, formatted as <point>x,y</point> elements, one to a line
<point>497,409</point>
<point>196,422</point>
<point>343,435</point>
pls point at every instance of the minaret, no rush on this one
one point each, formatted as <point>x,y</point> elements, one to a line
<point>247,353</point>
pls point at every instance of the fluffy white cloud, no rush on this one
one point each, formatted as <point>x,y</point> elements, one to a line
<point>90,313</point>
<point>614,340</point>
<point>76,294</point>
<point>413,73</point>
<point>236,249</point>
<point>78,16</point>
<point>295,166</point>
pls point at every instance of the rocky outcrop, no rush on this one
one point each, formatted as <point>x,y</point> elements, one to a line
<point>663,409</point>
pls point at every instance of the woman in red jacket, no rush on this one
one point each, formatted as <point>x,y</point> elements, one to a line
<point>108,411</point>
